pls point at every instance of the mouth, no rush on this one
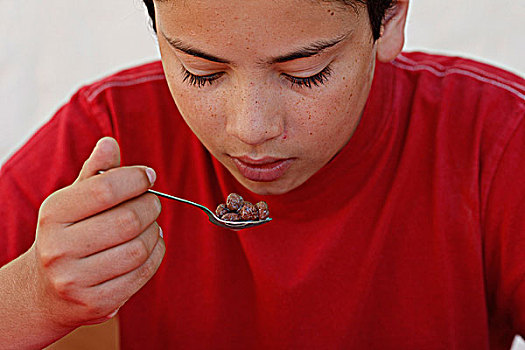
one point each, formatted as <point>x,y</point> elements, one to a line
<point>264,169</point>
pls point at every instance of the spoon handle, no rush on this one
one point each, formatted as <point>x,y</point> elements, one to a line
<point>160,194</point>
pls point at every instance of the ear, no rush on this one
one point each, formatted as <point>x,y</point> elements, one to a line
<point>392,38</point>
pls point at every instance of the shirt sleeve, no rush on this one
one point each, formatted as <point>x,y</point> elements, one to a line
<point>504,237</point>
<point>50,160</point>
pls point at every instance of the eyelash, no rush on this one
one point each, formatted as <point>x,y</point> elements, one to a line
<point>199,80</point>
<point>315,80</point>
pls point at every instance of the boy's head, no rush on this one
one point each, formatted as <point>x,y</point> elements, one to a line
<point>274,89</point>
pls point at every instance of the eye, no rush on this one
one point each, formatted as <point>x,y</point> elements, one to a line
<point>314,80</point>
<point>199,80</point>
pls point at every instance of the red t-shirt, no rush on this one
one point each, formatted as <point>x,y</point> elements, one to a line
<point>412,237</point>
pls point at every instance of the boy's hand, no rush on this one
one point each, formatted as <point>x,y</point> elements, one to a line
<point>97,241</point>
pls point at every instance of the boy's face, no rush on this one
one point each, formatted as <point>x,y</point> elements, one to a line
<point>270,116</point>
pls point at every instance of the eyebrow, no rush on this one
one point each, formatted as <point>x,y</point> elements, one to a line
<point>179,45</point>
<point>311,50</point>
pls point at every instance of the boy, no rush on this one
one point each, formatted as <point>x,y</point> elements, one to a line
<point>387,177</point>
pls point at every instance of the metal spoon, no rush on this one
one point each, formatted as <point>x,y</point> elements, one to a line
<point>214,219</point>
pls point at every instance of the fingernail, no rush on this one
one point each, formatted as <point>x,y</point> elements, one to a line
<point>152,176</point>
<point>113,314</point>
<point>161,234</point>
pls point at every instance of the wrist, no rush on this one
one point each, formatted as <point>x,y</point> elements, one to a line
<point>25,320</point>
<point>43,305</point>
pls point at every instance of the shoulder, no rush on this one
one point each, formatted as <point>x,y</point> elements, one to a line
<point>474,98</point>
<point>95,110</point>
<point>460,71</point>
<point>459,85</point>
<point>470,110</point>
<point>129,81</point>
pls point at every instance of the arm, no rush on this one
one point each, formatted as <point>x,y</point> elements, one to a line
<point>504,238</point>
<point>97,243</point>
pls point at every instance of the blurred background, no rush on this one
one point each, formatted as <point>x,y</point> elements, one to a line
<point>48,49</point>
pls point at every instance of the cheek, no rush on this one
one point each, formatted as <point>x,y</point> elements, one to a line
<point>202,113</point>
<point>326,114</point>
<point>328,120</point>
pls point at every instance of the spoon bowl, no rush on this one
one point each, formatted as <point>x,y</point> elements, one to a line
<point>214,219</point>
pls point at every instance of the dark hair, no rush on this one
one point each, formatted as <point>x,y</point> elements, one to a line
<point>377,10</point>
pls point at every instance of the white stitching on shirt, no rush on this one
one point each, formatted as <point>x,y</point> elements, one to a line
<point>123,81</point>
<point>465,67</point>
<point>123,77</point>
<point>448,71</point>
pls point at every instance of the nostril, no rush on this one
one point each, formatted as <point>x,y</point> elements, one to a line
<point>255,133</point>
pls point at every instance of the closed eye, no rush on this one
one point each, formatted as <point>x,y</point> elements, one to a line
<point>315,80</point>
<point>199,80</point>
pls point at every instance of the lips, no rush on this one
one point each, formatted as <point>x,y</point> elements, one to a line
<point>264,169</point>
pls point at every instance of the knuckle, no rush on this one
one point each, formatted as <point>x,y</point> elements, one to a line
<point>151,207</point>
<point>44,218</point>
<point>95,304</point>
<point>94,308</point>
<point>45,213</point>
<point>128,223</point>
<point>49,256</point>
<point>146,270</point>
<point>102,191</point>
<point>63,287</point>
<point>155,204</point>
<point>137,252</point>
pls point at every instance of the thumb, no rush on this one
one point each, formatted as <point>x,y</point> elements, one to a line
<point>105,155</point>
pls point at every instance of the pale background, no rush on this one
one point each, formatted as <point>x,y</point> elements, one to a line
<point>48,49</point>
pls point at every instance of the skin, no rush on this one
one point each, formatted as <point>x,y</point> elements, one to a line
<point>97,240</point>
<point>252,109</point>
<point>97,243</point>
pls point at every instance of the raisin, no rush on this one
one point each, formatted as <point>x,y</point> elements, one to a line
<point>262,208</point>
<point>234,202</point>
<point>231,217</point>
<point>236,209</point>
<point>221,210</point>
<point>248,212</point>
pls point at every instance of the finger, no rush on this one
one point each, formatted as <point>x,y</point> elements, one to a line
<point>120,289</point>
<point>111,227</point>
<point>97,194</point>
<point>119,260</point>
<point>105,155</point>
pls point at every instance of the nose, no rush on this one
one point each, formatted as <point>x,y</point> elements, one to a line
<point>255,115</point>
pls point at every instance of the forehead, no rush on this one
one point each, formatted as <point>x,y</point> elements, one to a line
<point>265,25</point>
